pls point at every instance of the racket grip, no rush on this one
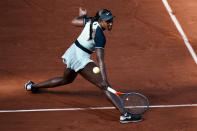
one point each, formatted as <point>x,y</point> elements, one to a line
<point>111,90</point>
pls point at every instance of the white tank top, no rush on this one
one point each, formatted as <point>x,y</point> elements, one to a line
<point>83,38</point>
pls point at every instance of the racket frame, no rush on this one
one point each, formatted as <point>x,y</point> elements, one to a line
<point>126,94</point>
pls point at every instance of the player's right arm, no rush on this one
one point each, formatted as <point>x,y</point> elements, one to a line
<point>81,20</point>
<point>99,39</point>
<point>100,59</point>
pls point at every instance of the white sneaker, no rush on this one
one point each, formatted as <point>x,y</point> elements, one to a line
<point>128,117</point>
<point>29,86</point>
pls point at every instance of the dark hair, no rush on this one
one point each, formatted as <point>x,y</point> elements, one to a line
<point>96,18</point>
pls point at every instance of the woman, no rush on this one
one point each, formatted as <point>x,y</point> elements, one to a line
<point>77,59</point>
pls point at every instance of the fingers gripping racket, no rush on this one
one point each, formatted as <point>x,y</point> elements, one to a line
<point>133,102</point>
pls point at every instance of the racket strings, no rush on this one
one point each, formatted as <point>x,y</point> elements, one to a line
<point>135,103</point>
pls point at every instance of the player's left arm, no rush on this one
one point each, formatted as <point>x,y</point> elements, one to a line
<point>81,19</point>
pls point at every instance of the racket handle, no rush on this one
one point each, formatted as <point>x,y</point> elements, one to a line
<point>111,90</point>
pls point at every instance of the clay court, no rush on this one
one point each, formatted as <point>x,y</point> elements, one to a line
<point>144,53</point>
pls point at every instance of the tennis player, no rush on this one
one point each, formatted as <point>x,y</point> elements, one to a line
<point>77,59</point>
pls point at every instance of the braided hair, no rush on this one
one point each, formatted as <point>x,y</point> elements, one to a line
<point>96,18</point>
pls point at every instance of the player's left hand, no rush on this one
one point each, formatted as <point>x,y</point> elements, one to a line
<point>82,11</point>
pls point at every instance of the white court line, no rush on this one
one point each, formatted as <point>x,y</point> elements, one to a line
<point>179,28</point>
<point>93,108</point>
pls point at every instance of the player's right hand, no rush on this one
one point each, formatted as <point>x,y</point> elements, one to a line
<point>104,85</point>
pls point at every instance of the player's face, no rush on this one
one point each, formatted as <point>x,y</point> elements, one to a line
<point>107,25</point>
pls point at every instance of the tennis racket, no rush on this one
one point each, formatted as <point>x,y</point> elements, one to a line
<point>133,102</point>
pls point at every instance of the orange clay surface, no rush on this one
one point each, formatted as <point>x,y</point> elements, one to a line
<point>144,53</point>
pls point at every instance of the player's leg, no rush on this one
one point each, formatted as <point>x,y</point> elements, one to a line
<point>97,80</point>
<point>68,77</point>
